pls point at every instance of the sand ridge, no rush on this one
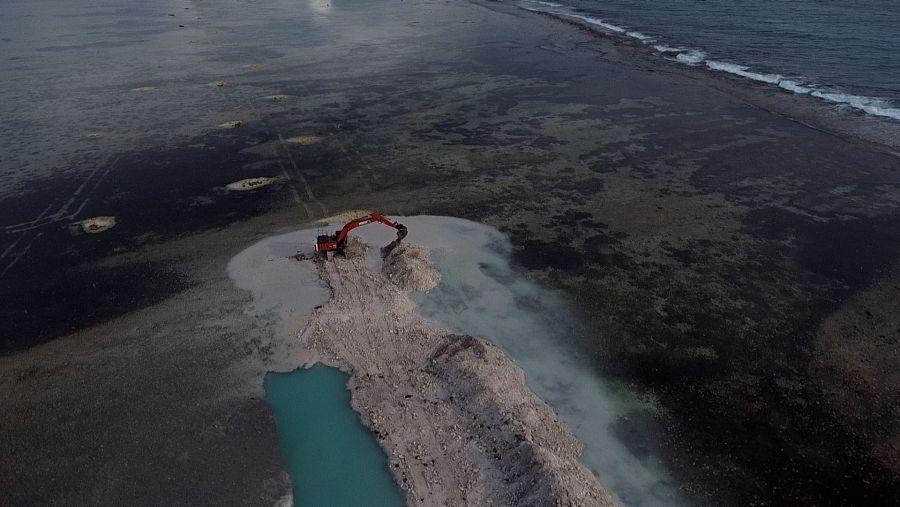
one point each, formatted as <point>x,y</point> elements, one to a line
<point>452,412</point>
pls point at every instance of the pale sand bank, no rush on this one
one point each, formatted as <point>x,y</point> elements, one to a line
<point>452,412</point>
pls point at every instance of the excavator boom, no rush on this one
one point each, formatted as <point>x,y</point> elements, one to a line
<point>338,241</point>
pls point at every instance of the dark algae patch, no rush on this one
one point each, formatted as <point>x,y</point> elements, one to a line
<point>40,303</point>
<point>66,281</point>
<point>736,266</point>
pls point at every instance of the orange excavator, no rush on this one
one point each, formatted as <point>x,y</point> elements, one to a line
<point>336,242</point>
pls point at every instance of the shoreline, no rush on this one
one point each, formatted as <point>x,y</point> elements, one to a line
<point>806,109</point>
<point>710,231</point>
<point>697,58</point>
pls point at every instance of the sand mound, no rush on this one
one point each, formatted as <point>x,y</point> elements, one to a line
<point>97,224</point>
<point>407,266</point>
<point>453,414</point>
<point>250,183</point>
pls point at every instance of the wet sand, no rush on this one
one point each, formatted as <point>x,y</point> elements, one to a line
<point>717,239</point>
<point>452,412</point>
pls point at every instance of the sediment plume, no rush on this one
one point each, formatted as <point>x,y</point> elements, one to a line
<point>456,420</point>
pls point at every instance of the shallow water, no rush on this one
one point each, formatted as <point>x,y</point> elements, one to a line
<point>482,295</point>
<point>332,458</point>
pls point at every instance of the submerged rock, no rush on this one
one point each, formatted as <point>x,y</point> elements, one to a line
<point>94,225</point>
<point>251,183</point>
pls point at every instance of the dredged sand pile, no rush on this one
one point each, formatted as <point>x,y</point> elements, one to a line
<point>453,413</point>
<point>407,266</point>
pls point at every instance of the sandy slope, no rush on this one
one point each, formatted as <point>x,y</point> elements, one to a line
<point>453,414</point>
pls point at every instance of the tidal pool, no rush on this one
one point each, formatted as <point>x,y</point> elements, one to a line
<point>331,457</point>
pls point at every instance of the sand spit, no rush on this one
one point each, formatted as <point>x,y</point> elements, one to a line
<point>453,413</point>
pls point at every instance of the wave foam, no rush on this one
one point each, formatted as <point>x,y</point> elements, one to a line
<point>793,86</point>
<point>668,49</point>
<point>597,22</point>
<point>639,36</point>
<point>693,57</point>
<point>740,70</point>
<point>871,105</point>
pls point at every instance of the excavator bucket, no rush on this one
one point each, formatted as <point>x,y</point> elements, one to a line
<point>402,231</point>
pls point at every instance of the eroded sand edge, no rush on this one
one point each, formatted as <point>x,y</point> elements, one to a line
<point>452,412</point>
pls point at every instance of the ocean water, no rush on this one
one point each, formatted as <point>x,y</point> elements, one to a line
<point>845,52</point>
<point>331,457</point>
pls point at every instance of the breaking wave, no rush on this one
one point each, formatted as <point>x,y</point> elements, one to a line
<point>695,57</point>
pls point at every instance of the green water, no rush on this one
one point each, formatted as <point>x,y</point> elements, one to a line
<point>332,458</point>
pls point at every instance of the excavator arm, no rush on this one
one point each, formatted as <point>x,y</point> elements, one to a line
<point>368,219</point>
<point>338,240</point>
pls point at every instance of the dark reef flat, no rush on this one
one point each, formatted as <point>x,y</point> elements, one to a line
<point>731,248</point>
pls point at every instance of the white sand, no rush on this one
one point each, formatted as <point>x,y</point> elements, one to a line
<point>452,412</point>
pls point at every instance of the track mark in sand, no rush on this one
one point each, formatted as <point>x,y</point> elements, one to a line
<point>291,180</point>
<point>347,146</point>
<point>18,255</point>
<point>84,191</point>
<point>299,175</point>
<point>10,247</point>
<point>87,187</point>
<point>24,226</point>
